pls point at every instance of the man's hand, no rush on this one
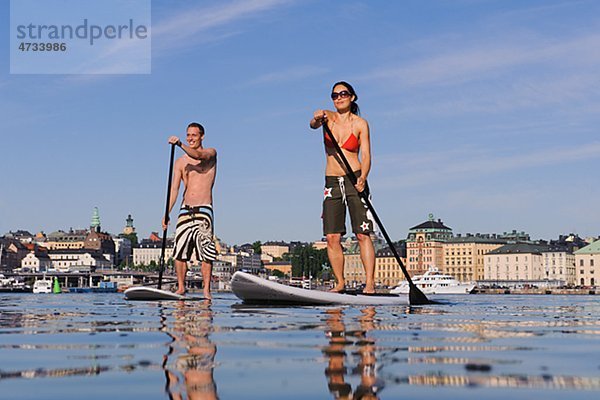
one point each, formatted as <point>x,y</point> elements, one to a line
<point>165,224</point>
<point>174,140</point>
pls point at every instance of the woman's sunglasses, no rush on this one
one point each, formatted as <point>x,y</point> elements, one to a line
<point>344,94</point>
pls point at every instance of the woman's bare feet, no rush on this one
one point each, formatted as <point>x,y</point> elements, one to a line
<point>338,289</point>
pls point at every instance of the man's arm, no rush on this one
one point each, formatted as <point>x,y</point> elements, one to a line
<point>198,154</point>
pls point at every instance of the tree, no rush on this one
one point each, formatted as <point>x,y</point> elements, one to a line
<point>256,247</point>
<point>307,261</point>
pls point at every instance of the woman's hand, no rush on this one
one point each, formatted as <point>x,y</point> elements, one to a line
<point>360,184</point>
<point>319,117</point>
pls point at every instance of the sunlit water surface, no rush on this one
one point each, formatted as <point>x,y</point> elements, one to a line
<point>100,346</point>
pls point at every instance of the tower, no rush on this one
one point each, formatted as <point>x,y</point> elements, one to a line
<point>95,226</point>
<point>129,228</point>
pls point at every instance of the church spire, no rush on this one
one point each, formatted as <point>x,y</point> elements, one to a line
<point>95,226</point>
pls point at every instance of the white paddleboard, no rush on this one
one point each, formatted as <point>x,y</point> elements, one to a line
<point>252,289</point>
<point>149,293</point>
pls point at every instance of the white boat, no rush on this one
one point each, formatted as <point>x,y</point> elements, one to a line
<point>42,286</point>
<point>13,285</point>
<point>434,282</point>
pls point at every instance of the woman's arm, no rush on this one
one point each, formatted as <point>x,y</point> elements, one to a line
<point>365,155</point>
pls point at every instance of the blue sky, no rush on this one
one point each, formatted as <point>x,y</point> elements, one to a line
<point>484,113</point>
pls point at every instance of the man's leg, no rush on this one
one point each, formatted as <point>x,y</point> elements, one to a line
<point>367,256</point>
<point>180,270</point>
<point>206,278</point>
<point>336,259</point>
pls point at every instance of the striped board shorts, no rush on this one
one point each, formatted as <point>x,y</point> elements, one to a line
<point>194,234</point>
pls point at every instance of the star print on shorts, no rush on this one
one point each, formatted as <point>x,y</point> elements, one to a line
<point>327,193</point>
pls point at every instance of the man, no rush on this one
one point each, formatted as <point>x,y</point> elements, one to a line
<point>197,170</point>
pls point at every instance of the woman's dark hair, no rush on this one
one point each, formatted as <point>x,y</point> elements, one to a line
<point>354,109</point>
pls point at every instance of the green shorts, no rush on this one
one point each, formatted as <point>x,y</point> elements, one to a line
<point>340,194</point>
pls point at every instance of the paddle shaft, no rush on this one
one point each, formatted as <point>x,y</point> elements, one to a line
<point>415,294</point>
<point>166,218</point>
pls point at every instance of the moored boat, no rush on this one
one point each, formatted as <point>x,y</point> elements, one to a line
<point>42,286</point>
<point>13,285</point>
<point>434,282</point>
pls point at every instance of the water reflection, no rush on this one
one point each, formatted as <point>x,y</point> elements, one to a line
<point>360,347</point>
<point>189,362</point>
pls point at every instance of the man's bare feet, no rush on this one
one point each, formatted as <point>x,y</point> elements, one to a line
<point>180,292</point>
<point>207,296</point>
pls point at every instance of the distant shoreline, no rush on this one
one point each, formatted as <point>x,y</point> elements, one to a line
<point>545,291</point>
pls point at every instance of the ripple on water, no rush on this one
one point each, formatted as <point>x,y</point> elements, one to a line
<point>101,345</point>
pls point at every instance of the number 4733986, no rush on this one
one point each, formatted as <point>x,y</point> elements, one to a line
<point>25,46</point>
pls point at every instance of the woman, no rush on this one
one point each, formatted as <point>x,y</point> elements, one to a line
<point>351,132</point>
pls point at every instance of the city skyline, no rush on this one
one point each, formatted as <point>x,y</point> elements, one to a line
<point>482,113</point>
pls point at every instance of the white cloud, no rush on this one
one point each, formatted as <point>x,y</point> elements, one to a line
<point>478,62</point>
<point>290,74</point>
<point>192,26</point>
<point>466,164</point>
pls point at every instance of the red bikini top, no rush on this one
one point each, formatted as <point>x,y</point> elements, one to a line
<point>351,144</point>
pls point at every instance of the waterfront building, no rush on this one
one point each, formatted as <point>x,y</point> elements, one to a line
<point>559,266</point>
<point>149,250</point>
<point>285,267</point>
<point>587,264</point>
<point>387,269</point>
<point>274,249</point>
<point>354,272</point>
<point>79,260</point>
<point>464,255</point>
<point>242,260</point>
<point>22,236</point>
<point>123,250</point>
<point>61,240</point>
<point>424,246</point>
<point>222,273</point>
<point>320,244</point>
<point>37,260</point>
<point>12,252</point>
<point>516,265</point>
<point>265,258</point>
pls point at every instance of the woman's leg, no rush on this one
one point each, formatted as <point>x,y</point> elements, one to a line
<point>336,259</point>
<point>367,256</point>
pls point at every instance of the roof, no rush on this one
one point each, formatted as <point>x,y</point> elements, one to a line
<point>476,239</point>
<point>593,248</point>
<point>431,224</point>
<point>525,248</point>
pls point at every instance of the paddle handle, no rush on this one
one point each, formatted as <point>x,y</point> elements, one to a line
<point>166,218</point>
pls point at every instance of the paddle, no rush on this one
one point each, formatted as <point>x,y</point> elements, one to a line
<point>164,238</point>
<point>415,296</point>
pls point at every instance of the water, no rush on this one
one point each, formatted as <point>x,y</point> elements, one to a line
<point>100,346</point>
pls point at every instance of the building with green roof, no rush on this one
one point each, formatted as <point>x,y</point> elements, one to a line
<point>587,264</point>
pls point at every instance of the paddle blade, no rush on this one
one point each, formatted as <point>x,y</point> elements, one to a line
<point>416,297</point>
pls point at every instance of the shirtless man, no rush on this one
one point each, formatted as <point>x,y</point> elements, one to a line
<point>197,170</point>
